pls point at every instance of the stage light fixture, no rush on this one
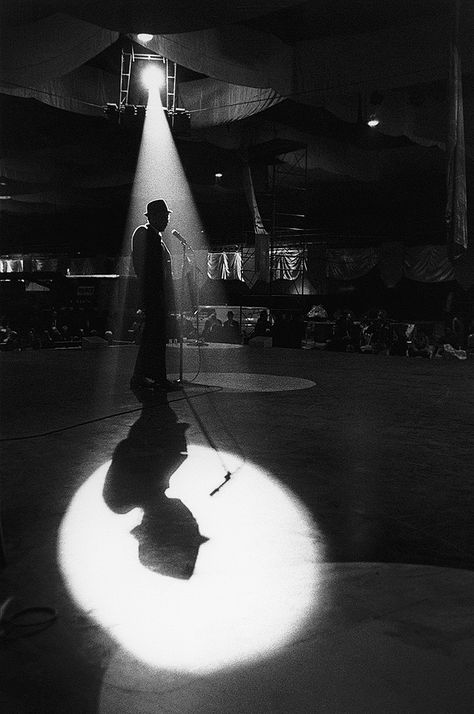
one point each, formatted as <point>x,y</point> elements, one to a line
<point>144,37</point>
<point>111,111</point>
<point>373,120</point>
<point>179,120</point>
<point>152,76</point>
<point>129,111</point>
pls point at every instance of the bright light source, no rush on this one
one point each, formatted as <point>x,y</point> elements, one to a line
<point>152,76</point>
<point>144,37</point>
<point>373,121</point>
<point>218,176</point>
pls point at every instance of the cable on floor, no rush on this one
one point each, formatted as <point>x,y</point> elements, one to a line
<point>26,622</point>
<point>97,419</point>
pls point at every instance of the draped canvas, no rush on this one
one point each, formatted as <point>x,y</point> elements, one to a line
<point>214,102</point>
<point>327,71</point>
<point>49,48</point>
<point>456,204</point>
<point>428,264</point>
<point>85,90</point>
<point>147,15</point>
<point>370,61</point>
<point>231,53</point>
<point>257,223</point>
<point>347,264</point>
<point>312,69</point>
<point>11,265</point>
<point>224,266</point>
<point>288,263</point>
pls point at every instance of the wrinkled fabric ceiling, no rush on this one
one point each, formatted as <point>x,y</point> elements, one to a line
<point>251,72</point>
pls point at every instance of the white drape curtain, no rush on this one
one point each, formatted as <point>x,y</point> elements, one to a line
<point>224,266</point>
<point>288,263</point>
<point>424,263</point>
<point>11,265</point>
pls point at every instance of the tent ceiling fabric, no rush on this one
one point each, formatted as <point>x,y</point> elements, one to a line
<point>318,67</point>
<point>331,52</point>
<point>128,16</point>
<point>50,48</point>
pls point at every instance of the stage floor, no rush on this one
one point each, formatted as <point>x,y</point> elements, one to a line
<point>314,551</point>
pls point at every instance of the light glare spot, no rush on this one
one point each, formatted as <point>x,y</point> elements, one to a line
<point>153,76</point>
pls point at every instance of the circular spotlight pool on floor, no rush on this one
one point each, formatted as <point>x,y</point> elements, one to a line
<point>242,382</point>
<point>255,579</point>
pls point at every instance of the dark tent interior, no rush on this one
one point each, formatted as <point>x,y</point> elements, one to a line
<point>246,489</point>
<point>284,88</point>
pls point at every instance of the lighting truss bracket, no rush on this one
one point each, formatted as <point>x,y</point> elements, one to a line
<point>128,58</point>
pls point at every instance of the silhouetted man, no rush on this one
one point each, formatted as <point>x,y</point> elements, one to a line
<point>152,264</point>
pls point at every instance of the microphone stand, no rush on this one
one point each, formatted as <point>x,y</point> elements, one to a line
<point>186,247</point>
<point>181,314</point>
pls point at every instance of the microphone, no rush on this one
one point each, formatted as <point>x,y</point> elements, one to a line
<point>179,237</point>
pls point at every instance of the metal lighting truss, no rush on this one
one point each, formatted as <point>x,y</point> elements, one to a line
<point>128,58</point>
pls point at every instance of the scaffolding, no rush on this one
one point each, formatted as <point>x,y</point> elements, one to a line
<point>283,204</point>
<point>127,60</point>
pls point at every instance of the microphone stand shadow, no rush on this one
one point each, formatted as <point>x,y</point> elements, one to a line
<point>142,465</point>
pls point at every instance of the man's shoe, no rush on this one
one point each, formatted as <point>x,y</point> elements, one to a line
<point>142,383</point>
<point>168,386</point>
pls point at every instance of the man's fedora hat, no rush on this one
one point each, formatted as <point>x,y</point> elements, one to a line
<point>158,206</point>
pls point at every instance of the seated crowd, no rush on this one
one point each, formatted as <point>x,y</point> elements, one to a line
<point>52,327</point>
<point>374,333</point>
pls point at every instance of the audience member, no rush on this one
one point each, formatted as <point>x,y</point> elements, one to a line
<point>398,343</point>
<point>231,329</point>
<point>263,325</point>
<point>458,332</point>
<point>212,331</point>
<point>470,335</point>
<point>418,344</point>
<point>347,334</point>
<point>379,329</point>
<point>8,338</point>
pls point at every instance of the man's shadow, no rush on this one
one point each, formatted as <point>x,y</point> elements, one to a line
<point>142,465</point>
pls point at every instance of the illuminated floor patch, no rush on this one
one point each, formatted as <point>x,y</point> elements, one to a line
<point>241,382</point>
<point>254,583</point>
<point>387,638</point>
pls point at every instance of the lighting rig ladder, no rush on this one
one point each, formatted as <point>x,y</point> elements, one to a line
<point>296,169</point>
<point>128,58</point>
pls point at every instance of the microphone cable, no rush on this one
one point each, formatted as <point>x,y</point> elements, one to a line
<point>69,427</point>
